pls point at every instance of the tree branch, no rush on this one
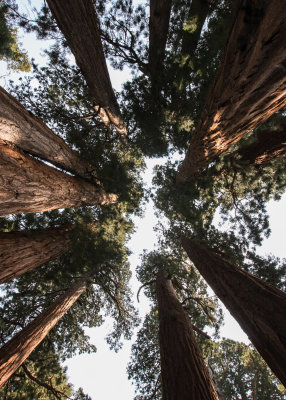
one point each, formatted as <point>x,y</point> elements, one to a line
<point>141,287</point>
<point>55,392</point>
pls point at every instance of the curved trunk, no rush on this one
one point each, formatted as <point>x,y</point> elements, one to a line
<point>160,11</point>
<point>17,350</point>
<point>21,127</point>
<point>270,146</point>
<point>77,19</point>
<point>28,185</point>
<point>249,87</point>
<point>259,307</point>
<point>22,251</point>
<point>184,374</point>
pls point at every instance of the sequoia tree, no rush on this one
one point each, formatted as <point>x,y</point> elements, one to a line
<point>21,251</point>
<point>21,127</point>
<point>166,358</point>
<point>249,85</point>
<point>184,374</point>
<point>71,17</point>
<point>158,29</point>
<point>29,185</point>
<point>16,350</point>
<point>257,305</point>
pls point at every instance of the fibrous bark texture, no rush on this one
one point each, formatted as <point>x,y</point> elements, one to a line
<point>270,146</point>
<point>259,307</point>
<point>19,126</point>
<point>28,185</point>
<point>22,251</point>
<point>249,87</point>
<point>77,19</point>
<point>17,350</point>
<point>158,30</point>
<point>184,374</point>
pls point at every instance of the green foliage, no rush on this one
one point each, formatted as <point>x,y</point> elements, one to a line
<point>10,48</point>
<point>229,191</point>
<point>41,377</point>
<point>241,373</point>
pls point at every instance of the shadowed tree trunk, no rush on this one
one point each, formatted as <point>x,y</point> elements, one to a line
<point>249,87</point>
<point>17,350</point>
<point>22,251</point>
<point>270,146</point>
<point>191,34</point>
<point>184,374</point>
<point>77,19</point>
<point>19,126</point>
<point>259,307</point>
<point>28,185</point>
<point>158,31</point>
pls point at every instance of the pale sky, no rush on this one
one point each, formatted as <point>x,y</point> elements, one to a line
<point>102,375</point>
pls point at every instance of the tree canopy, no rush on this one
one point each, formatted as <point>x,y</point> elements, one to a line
<point>199,83</point>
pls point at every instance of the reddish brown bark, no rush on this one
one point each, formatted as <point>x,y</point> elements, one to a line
<point>249,87</point>
<point>184,374</point>
<point>22,251</point>
<point>158,30</point>
<point>259,307</point>
<point>17,350</point>
<point>269,146</point>
<point>77,19</point>
<point>21,127</point>
<point>28,185</point>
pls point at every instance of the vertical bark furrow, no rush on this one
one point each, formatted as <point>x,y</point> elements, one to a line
<point>184,374</point>
<point>249,87</point>
<point>77,19</point>
<point>259,307</point>
<point>28,185</point>
<point>17,350</point>
<point>19,126</point>
<point>22,251</point>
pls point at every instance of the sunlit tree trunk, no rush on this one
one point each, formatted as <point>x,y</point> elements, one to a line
<point>158,30</point>
<point>249,87</point>
<point>22,251</point>
<point>19,126</point>
<point>77,19</point>
<point>184,374</point>
<point>259,307</point>
<point>269,146</point>
<point>28,185</point>
<point>16,350</point>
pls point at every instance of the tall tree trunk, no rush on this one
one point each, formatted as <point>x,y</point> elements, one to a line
<point>191,34</point>
<point>19,126</point>
<point>22,251</point>
<point>259,307</point>
<point>17,350</point>
<point>269,146</point>
<point>184,374</point>
<point>197,15</point>
<point>77,19</point>
<point>160,11</point>
<point>28,185</point>
<point>249,87</point>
